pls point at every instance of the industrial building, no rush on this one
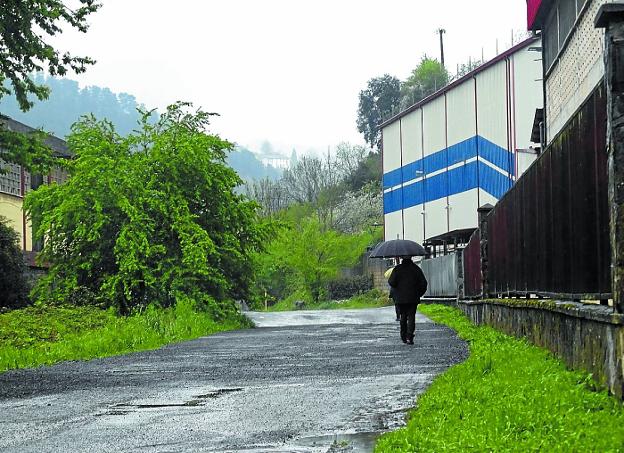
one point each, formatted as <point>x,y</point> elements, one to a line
<point>462,147</point>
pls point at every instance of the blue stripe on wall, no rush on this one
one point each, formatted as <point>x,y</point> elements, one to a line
<point>493,153</point>
<point>457,180</point>
<point>454,154</point>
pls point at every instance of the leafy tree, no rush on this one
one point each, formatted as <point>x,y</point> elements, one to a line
<point>151,217</point>
<point>368,171</point>
<point>25,27</point>
<point>380,98</point>
<point>26,24</point>
<point>13,286</point>
<point>428,77</point>
<point>305,257</point>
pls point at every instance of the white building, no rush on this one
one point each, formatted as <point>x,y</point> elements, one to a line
<point>461,147</point>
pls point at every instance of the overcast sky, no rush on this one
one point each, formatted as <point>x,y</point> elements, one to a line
<point>284,71</point>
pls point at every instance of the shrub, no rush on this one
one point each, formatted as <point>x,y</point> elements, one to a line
<point>13,285</point>
<point>152,217</point>
<point>343,288</point>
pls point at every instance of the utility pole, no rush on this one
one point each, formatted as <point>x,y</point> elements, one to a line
<point>441,31</point>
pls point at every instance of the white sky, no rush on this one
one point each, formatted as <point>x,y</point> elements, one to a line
<point>284,71</point>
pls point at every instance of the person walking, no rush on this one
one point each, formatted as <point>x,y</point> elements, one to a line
<point>409,284</point>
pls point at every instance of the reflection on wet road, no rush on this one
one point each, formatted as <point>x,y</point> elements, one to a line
<point>300,382</point>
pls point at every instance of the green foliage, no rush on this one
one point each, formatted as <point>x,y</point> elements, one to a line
<point>147,218</point>
<point>304,257</point>
<point>428,77</point>
<point>31,326</point>
<point>23,49</point>
<point>13,286</point>
<point>46,335</point>
<point>368,172</point>
<point>342,288</point>
<point>508,396</point>
<point>380,98</point>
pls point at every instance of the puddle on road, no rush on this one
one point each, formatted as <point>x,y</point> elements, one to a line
<point>339,443</point>
<point>198,400</point>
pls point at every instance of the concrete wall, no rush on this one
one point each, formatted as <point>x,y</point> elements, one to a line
<point>576,72</point>
<point>586,337</point>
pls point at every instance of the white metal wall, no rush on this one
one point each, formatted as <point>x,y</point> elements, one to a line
<point>434,141</point>
<point>490,115</point>
<point>462,126</point>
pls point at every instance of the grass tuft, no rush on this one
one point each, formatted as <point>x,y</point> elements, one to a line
<point>508,396</point>
<point>45,335</point>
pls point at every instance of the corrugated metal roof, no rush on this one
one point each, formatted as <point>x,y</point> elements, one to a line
<point>461,80</point>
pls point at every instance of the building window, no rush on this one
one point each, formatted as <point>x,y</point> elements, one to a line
<point>551,40</point>
<point>558,27</point>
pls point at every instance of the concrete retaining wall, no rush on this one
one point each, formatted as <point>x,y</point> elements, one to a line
<point>586,337</point>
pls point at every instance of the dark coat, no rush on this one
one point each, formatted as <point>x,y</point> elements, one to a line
<point>409,283</point>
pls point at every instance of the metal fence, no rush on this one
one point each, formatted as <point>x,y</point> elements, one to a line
<point>549,235</point>
<point>442,275</point>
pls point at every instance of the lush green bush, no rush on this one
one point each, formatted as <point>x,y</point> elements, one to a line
<point>148,218</point>
<point>305,256</point>
<point>343,288</point>
<point>508,396</point>
<point>13,285</point>
<point>45,335</point>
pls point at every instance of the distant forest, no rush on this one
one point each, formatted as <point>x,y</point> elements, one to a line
<point>68,102</point>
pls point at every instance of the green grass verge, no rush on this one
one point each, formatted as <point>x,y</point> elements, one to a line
<point>46,335</point>
<point>370,299</point>
<point>508,396</point>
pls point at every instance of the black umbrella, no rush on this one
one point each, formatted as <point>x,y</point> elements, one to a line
<point>398,247</point>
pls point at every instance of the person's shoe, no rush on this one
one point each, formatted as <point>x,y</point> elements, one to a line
<point>398,319</point>
<point>410,340</point>
<point>404,340</point>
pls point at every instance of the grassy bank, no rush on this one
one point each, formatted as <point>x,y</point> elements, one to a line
<point>508,396</point>
<point>370,299</point>
<point>45,335</point>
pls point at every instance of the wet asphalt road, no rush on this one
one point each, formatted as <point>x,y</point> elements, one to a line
<point>297,383</point>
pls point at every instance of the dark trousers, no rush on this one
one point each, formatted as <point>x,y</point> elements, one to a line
<point>408,321</point>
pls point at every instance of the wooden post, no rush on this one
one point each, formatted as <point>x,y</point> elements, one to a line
<point>611,17</point>
<point>484,211</point>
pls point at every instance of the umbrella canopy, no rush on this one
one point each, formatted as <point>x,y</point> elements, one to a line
<point>398,247</point>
